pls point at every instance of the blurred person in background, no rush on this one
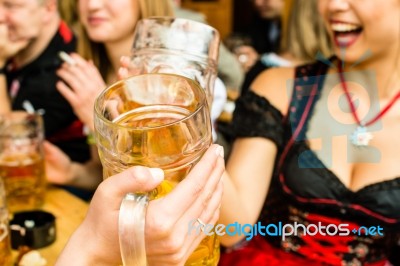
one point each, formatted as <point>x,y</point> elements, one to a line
<point>303,38</point>
<point>31,75</point>
<point>31,72</point>
<point>263,34</point>
<point>8,48</point>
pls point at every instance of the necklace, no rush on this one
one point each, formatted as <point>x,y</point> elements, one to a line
<point>361,136</point>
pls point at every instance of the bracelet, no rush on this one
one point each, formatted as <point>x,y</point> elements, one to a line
<point>3,70</point>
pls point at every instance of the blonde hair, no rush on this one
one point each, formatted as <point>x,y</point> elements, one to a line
<point>304,33</point>
<point>97,52</point>
<point>68,12</point>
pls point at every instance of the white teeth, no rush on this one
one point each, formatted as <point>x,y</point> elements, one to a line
<point>343,27</point>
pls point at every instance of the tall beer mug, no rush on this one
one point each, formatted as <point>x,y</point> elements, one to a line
<point>22,160</point>
<point>155,120</point>
<point>178,46</point>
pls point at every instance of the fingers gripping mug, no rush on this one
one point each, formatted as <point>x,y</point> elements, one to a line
<point>155,120</point>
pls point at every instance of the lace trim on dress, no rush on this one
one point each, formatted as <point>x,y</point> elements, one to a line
<point>254,116</point>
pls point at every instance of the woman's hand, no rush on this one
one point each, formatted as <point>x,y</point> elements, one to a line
<point>127,69</point>
<point>82,83</point>
<point>247,56</point>
<point>62,171</point>
<point>168,241</point>
<point>58,164</point>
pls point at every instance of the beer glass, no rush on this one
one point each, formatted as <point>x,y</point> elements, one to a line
<point>155,120</point>
<point>22,160</point>
<point>5,244</point>
<point>179,46</point>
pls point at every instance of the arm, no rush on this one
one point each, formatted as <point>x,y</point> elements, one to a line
<point>61,170</point>
<point>95,242</point>
<point>252,161</point>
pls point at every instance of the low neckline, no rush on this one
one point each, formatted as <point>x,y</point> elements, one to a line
<point>319,87</point>
<point>336,179</point>
<point>331,174</point>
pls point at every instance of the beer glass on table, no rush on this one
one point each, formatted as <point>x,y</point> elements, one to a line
<point>155,120</point>
<point>22,160</point>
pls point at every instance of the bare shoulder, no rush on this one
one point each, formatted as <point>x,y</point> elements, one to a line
<point>276,85</point>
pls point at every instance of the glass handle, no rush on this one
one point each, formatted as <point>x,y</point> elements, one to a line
<point>131,229</point>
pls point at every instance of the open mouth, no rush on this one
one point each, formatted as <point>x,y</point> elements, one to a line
<point>345,34</point>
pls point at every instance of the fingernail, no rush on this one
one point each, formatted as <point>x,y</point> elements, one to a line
<point>157,173</point>
<point>219,151</point>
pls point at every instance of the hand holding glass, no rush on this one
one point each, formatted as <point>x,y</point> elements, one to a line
<point>155,120</point>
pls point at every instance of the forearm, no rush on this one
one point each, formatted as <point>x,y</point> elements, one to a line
<point>81,250</point>
<point>245,188</point>
<point>232,210</point>
<point>88,175</point>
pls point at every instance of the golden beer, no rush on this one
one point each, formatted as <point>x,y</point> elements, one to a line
<point>172,137</point>
<point>163,148</point>
<point>24,180</point>
<point>22,160</point>
<point>5,244</point>
<point>5,247</point>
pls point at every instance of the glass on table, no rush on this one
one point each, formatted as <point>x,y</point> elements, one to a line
<point>155,120</point>
<point>22,160</point>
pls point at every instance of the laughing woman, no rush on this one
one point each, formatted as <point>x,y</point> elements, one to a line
<point>327,150</point>
<point>105,30</point>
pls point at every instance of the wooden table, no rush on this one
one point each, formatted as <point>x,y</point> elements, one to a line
<point>69,212</point>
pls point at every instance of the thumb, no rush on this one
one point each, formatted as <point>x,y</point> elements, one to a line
<point>135,179</point>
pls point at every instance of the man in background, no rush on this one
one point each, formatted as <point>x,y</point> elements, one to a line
<point>7,49</point>
<point>263,33</point>
<point>31,73</point>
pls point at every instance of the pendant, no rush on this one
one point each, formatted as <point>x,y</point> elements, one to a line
<point>361,137</point>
